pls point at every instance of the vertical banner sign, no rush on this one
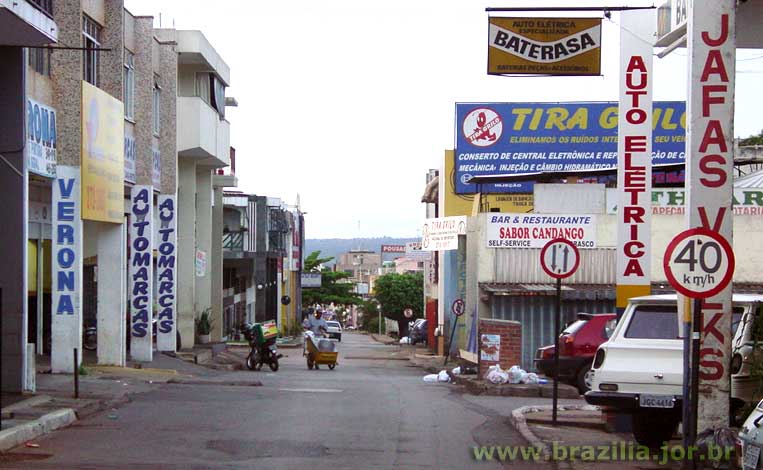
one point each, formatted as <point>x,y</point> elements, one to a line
<point>712,55</point>
<point>41,139</point>
<point>67,269</point>
<point>141,272</point>
<point>634,154</point>
<point>166,241</point>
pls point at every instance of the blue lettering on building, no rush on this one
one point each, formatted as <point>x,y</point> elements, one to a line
<point>66,256</point>
<point>166,266</point>
<point>141,263</point>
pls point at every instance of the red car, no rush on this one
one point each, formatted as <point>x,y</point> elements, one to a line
<point>578,344</point>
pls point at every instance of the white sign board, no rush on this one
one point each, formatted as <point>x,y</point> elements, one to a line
<point>634,150</point>
<point>699,263</point>
<point>41,139</point>
<point>413,251</point>
<point>442,234</point>
<point>166,265</point>
<point>311,280</point>
<point>508,230</point>
<point>201,263</point>
<point>141,272</point>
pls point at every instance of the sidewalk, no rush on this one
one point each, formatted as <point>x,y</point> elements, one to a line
<point>53,406</point>
<point>583,426</point>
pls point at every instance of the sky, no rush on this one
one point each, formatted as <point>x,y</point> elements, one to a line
<point>348,103</point>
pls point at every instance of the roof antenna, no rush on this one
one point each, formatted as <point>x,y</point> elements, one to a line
<point>160,20</point>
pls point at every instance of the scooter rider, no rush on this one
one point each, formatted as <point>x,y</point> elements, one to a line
<point>315,324</point>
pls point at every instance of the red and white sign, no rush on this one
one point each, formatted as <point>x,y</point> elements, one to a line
<point>393,248</point>
<point>483,127</point>
<point>699,263</point>
<point>711,50</point>
<point>560,258</point>
<point>509,230</point>
<point>458,307</point>
<point>634,149</point>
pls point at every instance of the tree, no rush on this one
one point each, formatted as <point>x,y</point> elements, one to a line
<point>396,292</point>
<point>752,140</point>
<point>331,290</point>
<point>314,261</point>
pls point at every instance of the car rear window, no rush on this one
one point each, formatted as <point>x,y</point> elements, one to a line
<point>575,327</point>
<point>653,322</point>
<point>332,323</point>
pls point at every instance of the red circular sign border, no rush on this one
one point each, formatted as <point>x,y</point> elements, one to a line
<point>574,249</point>
<point>681,237</point>
<point>453,307</point>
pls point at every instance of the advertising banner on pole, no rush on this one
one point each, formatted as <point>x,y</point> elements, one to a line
<point>535,230</point>
<point>141,272</point>
<point>546,46</point>
<point>634,156</point>
<point>66,256</point>
<point>103,168</point>
<point>442,234</point>
<point>41,139</point>
<point>709,170</point>
<point>505,138</point>
<point>166,264</point>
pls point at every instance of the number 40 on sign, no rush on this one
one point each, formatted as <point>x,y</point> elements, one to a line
<point>699,263</point>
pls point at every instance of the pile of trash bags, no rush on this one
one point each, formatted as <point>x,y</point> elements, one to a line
<point>515,375</point>
<point>443,376</point>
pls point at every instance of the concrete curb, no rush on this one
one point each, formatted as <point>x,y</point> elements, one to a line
<point>519,422</point>
<point>45,424</point>
<point>383,341</point>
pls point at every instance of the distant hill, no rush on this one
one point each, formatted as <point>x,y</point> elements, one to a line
<point>335,246</point>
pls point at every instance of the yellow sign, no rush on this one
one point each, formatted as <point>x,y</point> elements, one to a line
<point>463,204</point>
<point>544,46</point>
<point>102,156</point>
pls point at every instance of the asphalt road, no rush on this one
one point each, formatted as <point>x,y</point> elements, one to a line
<point>368,413</point>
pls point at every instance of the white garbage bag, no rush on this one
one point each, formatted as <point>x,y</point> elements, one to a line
<point>443,376</point>
<point>431,378</point>
<point>532,378</point>
<point>405,340</point>
<point>456,370</point>
<point>516,375</point>
<point>496,375</point>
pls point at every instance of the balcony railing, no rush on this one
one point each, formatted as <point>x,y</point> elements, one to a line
<point>233,241</point>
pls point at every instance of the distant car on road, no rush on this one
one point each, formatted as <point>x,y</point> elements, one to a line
<point>578,344</point>
<point>334,329</point>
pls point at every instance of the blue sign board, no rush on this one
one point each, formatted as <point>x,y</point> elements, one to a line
<point>504,138</point>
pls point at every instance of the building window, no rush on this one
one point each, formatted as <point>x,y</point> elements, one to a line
<point>156,104</point>
<point>46,6</point>
<point>39,60</point>
<point>129,85</point>
<point>211,89</point>
<point>91,39</point>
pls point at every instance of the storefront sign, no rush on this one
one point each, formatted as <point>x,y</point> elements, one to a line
<point>490,347</point>
<point>103,167</point>
<point>201,263</point>
<point>66,268</point>
<point>413,250</point>
<point>442,234</point>
<point>393,248</point>
<point>535,230</point>
<point>166,239</point>
<point>311,280</point>
<point>634,149</point>
<point>130,153</point>
<point>510,138</point>
<point>156,168</point>
<point>709,170</point>
<point>547,46</point>
<point>41,139</point>
<point>671,201</point>
<point>141,272</point>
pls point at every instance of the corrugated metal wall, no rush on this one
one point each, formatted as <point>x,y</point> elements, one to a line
<point>536,314</point>
<point>522,266</point>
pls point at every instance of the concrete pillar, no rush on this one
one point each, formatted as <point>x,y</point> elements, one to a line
<point>186,249</point>
<point>204,238</point>
<point>111,294</point>
<point>66,311</point>
<point>13,213</point>
<point>216,260</point>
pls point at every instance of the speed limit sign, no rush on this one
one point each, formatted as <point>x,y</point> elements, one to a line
<point>699,263</point>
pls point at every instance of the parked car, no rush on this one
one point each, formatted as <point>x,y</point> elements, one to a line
<point>334,329</point>
<point>578,344</point>
<point>639,370</point>
<point>418,331</point>
<point>750,440</point>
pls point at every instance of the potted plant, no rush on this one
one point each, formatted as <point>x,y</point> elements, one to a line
<point>204,326</point>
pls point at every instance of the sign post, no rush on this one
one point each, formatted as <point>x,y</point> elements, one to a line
<point>457,308</point>
<point>560,259</point>
<point>699,264</point>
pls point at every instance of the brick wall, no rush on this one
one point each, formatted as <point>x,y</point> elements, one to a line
<point>510,351</point>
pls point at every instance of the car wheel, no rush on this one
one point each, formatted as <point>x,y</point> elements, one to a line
<point>654,428</point>
<point>584,378</point>
<point>339,338</point>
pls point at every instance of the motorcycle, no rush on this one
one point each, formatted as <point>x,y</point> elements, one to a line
<point>263,349</point>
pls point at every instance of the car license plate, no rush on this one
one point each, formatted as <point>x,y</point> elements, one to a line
<point>656,401</point>
<point>751,456</point>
